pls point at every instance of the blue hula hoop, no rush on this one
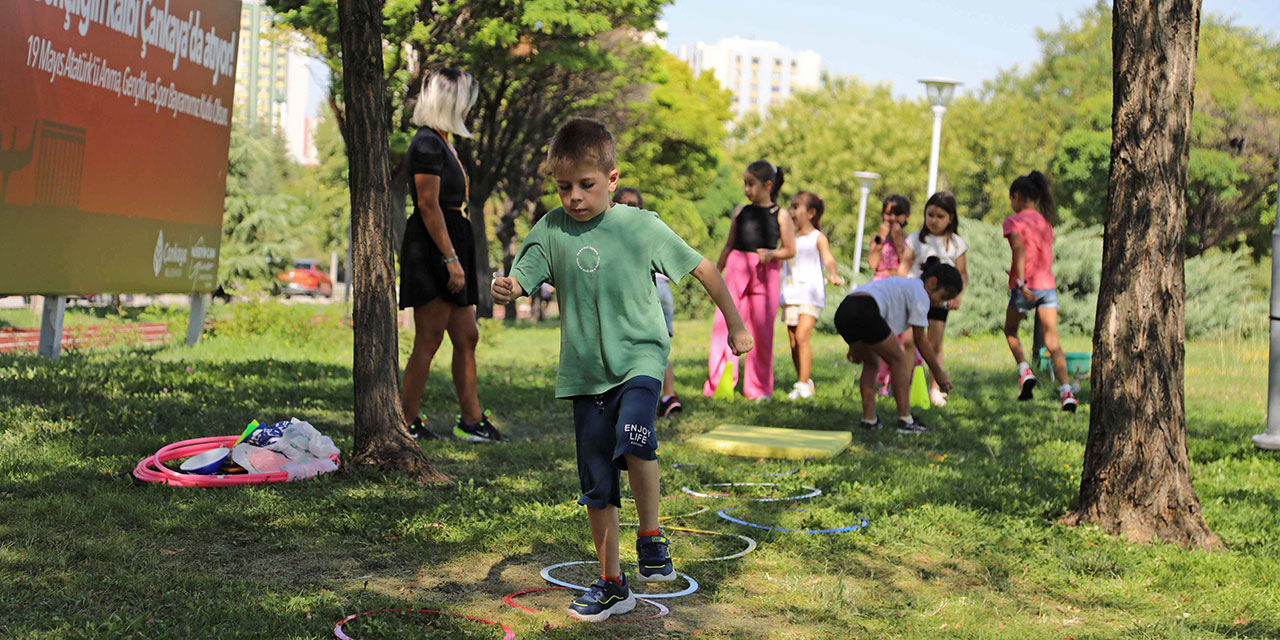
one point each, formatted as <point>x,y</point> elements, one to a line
<point>862,523</point>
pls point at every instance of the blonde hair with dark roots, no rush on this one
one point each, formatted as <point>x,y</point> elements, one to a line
<point>579,141</point>
<point>446,97</point>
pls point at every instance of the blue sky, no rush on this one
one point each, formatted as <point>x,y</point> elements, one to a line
<point>903,40</point>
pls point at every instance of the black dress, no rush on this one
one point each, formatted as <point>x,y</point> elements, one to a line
<point>423,273</point>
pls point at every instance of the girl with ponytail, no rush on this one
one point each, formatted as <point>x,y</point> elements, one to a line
<point>1031,282</point>
<point>761,236</point>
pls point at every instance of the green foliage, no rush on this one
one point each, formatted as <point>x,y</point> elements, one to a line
<point>1221,299</point>
<point>271,318</point>
<point>259,225</point>
<point>1082,156</point>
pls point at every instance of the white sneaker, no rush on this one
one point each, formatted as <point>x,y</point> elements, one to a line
<point>937,397</point>
<point>801,390</point>
<point>795,392</point>
<point>808,390</point>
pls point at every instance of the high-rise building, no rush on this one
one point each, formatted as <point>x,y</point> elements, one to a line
<point>273,83</point>
<point>758,73</point>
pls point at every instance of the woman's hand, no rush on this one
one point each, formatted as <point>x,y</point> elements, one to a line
<point>954,303</point>
<point>457,277</point>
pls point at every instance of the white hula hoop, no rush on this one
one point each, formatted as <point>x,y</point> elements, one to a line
<point>546,575</point>
<point>813,491</point>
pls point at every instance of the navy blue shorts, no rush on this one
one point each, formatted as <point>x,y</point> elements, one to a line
<point>608,426</point>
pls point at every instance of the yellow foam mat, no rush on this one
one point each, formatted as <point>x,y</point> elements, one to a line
<point>772,442</point>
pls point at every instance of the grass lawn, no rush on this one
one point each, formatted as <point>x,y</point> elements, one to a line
<point>961,540</point>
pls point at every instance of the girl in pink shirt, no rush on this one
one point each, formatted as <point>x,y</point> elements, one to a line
<point>1031,282</point>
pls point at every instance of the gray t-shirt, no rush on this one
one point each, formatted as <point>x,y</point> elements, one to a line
<point>903,302</point>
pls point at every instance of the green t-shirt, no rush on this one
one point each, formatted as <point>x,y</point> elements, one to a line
<point>611,324</point>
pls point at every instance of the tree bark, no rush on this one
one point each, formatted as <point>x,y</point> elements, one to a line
<point>1136,480</point>
<point>380,437</point>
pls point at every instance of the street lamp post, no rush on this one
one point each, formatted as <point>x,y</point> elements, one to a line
<point>940,92</point>
<point>865,178</point>
<point>1271,438</point>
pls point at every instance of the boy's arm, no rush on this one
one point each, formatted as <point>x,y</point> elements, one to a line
<point>740,340</point>
<point>930,358</point>
<point>505,289</point>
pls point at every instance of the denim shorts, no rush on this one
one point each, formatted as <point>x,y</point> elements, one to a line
<point>608,426</point>
<point>1047,298</point>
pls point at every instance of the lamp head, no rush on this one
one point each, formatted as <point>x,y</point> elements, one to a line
<point>940,91</point>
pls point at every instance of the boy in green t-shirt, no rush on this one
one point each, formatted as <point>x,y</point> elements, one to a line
<point>601,258</point>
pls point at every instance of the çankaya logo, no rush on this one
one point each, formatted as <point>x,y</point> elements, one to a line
<point>175,256</point>
<point>588,259</point>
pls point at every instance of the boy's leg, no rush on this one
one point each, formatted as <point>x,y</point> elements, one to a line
<point>669,381</point>
<point>604,533</point>
<point>594,418</point>
<point>429,323</point>
<point>642,475</point>
<point>636,451</point>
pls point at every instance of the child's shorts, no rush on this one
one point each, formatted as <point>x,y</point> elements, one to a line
<point>1047,298</point>
<point>608,426</point>
<point>791,312</point>
<point>858,319</point>
<point>668,303</point>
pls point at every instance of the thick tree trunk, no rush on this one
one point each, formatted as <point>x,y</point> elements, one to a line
<point>380,436</point>
<point>1136,480</point>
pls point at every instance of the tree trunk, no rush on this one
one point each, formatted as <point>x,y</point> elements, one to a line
<point>380,436</point>
<point>1136,480</point>
<point>484,270</point>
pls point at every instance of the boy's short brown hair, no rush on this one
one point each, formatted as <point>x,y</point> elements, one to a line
<point>581,140</point>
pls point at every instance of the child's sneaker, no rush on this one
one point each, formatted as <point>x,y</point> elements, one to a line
<point>871,426</point>
<point>482,431</point>
<point>605,598</point>
<point>1026,383</point>
<point>671,404</point>
<point>914,428</point>
<point>419,431</point>
<point>1069,401</point>
<point>801,391</point>
<point>654,564</point>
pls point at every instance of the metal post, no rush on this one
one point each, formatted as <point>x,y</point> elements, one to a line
<point>51,313</point>
<point>1271,439</point>
<point>865,178</point>
<point>195,317</point>
<point>934,147</point>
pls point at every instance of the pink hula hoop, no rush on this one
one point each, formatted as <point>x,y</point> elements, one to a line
<point>508,634</point>
<point>152,469</point>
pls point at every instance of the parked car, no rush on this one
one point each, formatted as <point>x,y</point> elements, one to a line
<point>305,278</point>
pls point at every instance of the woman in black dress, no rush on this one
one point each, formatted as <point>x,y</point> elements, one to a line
<point>437,259</point>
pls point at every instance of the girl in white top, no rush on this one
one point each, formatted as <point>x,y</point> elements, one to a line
<point>936,239</point>
<point>804,279</point>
